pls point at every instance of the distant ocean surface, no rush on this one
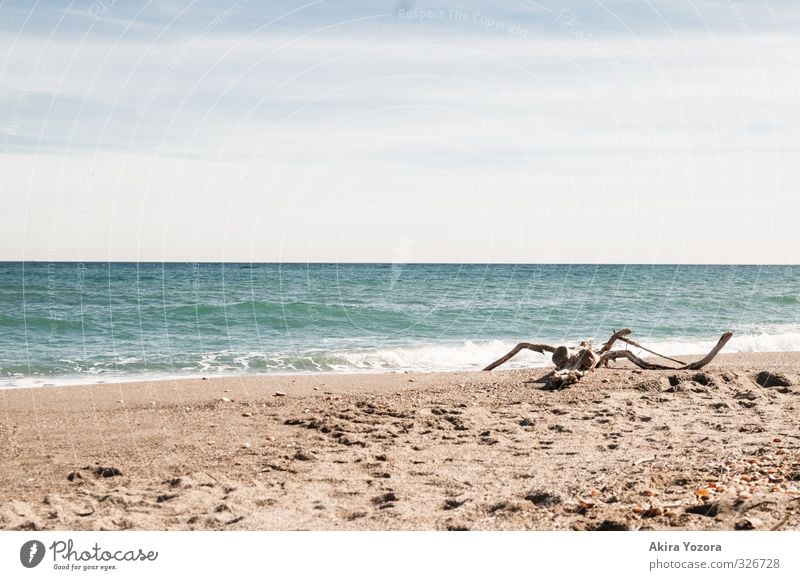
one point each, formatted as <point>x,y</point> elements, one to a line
<point>66,323</point>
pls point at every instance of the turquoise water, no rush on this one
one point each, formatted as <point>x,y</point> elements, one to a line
<point>69,323</point>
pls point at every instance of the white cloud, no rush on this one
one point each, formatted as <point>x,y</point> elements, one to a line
<point>479,147</point>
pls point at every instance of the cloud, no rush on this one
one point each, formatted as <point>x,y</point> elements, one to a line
<point>593,115</point>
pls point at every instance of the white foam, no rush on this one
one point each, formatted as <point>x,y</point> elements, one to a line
<point>468,355</point>
<point>786,341</point>
<point>476,355</point>
<point>462,356</point>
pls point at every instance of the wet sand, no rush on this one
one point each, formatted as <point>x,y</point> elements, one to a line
<point>622,449</point>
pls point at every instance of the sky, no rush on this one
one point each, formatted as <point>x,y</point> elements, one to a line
<point>661,131</point>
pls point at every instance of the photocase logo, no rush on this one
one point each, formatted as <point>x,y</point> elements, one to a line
<point>31,553</point>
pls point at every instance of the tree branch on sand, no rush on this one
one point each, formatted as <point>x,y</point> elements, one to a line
<point>573,363</point>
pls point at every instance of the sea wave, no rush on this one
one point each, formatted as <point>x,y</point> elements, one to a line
<point>339,358</point>
<point>776,341</point>
<point>471,355</point>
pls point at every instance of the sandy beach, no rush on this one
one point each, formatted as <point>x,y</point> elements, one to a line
<point>624,449</point>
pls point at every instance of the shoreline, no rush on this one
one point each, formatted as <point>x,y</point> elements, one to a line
<point>622,449</point>
<point>213,377</point>
<point>730,357</point>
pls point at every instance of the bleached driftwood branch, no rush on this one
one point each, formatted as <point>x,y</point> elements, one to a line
<point>540,348</point>
<point>572,363</point>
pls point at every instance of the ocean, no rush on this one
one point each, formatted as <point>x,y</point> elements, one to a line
<point>65,323</point>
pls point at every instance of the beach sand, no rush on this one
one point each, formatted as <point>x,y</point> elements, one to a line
<point>622,449</point>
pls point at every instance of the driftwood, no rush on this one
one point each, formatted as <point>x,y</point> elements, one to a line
<point>540,348</point>
<point>572,363</point>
